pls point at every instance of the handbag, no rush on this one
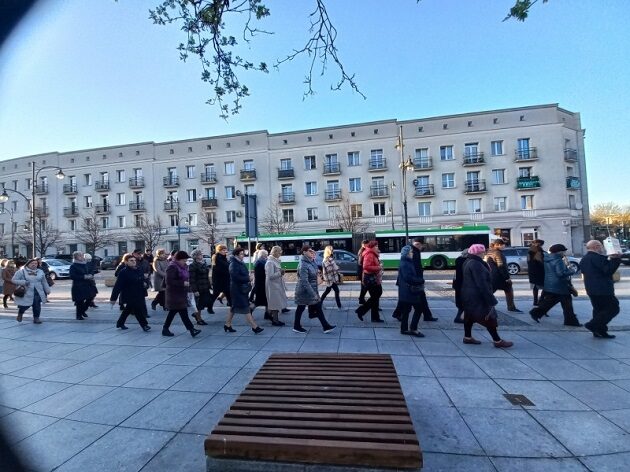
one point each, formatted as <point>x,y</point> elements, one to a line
<point>415,288</point>
<point>369,280</point>
<point>50,281</point>
<point>20,291</point>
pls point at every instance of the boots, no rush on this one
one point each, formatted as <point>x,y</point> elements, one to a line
<point>274,319</point>
<point>199,319</point>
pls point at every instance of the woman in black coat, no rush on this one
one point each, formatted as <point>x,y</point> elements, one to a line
<point>409,286</point>
<point>200,285</point>
<point>259,293</point>
<point>177,288</point>
<point>536,268</point>
<point>131,288</point>
<point>457,285</point>
<point>82,286</point>
<point>478,299</point>
<point>240,287</point>
<point>221,275</point>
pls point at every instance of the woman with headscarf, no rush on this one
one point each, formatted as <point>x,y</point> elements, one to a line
<point>7,277</point>
<point>259,292</point>
<point>177,288</point>
<point>131,288</point>
<point>34,281</point>
<point>477,297</point>
<point>160,264</point>
<point>240,287</point>
<point>275,288</point>
<point>409,286</point>
<point>331,275</point>
<point>372,279</point>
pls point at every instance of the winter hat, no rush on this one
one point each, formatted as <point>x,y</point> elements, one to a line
<point>476,249</point>
<point>405,252</point>
<point>179,255</point>
<point>557,248</point>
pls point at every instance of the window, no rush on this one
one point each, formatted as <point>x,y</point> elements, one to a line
<point>446,153</point>
<point>120,176</point>
<point>310,163</point>
<point>311,188</point>
<point>230,192</point>
<point>448,180</point>
<point>474,205</point>
<point>28,183</point>
<point>496,148</point>
<point>191,195</point>
<point>88,201</point>
<point>525,172</point>
<point>287,215</point>
<point>379,209</point>
<point>523,145</point>
<point>312,214</point>
<point>105,222</point>
<point>471,149</point>
<point>500,203</point>
<point>72,225</point>
<point>356,210</point>
<point>229,168</point>
<point>192,219</point>
<point>173,220</point>
<point>121,221</point>
<point>527,202</point>
<point>376,158</point>
<point>211,218</point>
<point>498,176</point>
<point>248,165</point>
<point>333,212</point>
<point>449,207</point>
<point>424,208</point>
<point>230,216</point>
<point>355,184</point>
<point>211,192</point>
<point>331,159</point>
<point>354,159</point>
<point>105,177</point>
<point>285,164</point>
<point>121,199</point>
<point>422,158</point>
<point>87,179</point>
<point>190,172</point>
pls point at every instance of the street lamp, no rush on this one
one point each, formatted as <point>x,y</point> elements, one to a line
<point>405,166</point>
<point>11,213</point>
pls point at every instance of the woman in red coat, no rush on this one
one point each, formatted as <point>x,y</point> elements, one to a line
<point>372,277</point>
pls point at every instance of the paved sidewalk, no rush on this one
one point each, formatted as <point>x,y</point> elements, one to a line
<point>84,396</point>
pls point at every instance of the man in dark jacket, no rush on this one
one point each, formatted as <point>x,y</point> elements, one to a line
<point>499,273</point>
<point>131,288</point>
<point>82,286</point>
<point>144,266</point>
<point>416,249</point>
<point>598,269</point>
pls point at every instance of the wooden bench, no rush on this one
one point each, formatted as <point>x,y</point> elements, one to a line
<point>333,409</point>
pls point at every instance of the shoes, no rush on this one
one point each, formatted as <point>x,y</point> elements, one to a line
<point>458,320</point>
<point>93,306</point>
<point>378,320</point>
<point>166,332</point>
<point>257,330</point>
<point>84,315</point>
<point>194,332</point>
<point>153,306</point>
<point>268,316</point>
<point>416,334</point>
<point>228,329</point>
<point>574,323</point>
<point>330,329</point>
<point>19,317</point>
<point>79,317</point>
<point>604,335</point>
<point>300,330</point>
<point>535,317</point>
<point>285,310</point>
<point>361,301</point>
<point>515,310</point>
<point>146,328</point>
<point>201,322</point>
<point>359,314</point>
<point>220,300</point>
<point>380,309</point>
<point>5,305</point>
<point>210,311</point>
<point>121,326</point>
<point>277,323</point>
<point>430,319</point>
<point>339,307</point>
<point>397,317</point>
<point>37,321</point>
<point>472,341</point>
<point>503,343</point>
<point>148,316</point>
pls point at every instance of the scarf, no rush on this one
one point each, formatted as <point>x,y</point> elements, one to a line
<point>183,271</point>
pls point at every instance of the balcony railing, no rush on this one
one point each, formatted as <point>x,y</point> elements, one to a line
<point>424,191</point>
<point>137,206</point>
<point>103,209</point>
<point>332,195</point>
<point>209,203</point>
<point>208,177</point>
<point>333,168</point>
<point>248,174</point>
<point>377,164</point>
<point>475,216</point>
<point>170,181</point>
<point>475,159</point>
<point>528,183</point>
<point>570,155</point>
<point>423,163</point>
<point>529,154</point>
<point>474,186</point>
<point>379,191</point>
<point>41,189</point>
<point>70,211</point>
<point>286,197</point>
<point>286,173</point>
<point>171,206</point>
<point>69,189</point>
<point>136,182</point>
<point>101,185</point>
<point>573,183</point>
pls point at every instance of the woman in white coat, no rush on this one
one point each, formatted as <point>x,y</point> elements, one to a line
<point>275,288</point>
<point>37,289</point>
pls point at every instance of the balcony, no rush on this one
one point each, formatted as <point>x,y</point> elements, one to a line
<point>208,177</point>
<point>136,182</point>
<point>171,206</point>
<point>170,181</point>
<point>528,183</point>
<point>378,191</point>
<point>475,186</point>
<point>422,191</point>
<point>209,203</point>
<point>422,163</point>
<point>101,185</point>
<point>573,183</point>
<point>286,198</point>
<point>475,216</point>
<point>42,212</point>
<point>377,164</point>
<point>475,159</point>
<point>137,206</point>
<point>41,189</point>
<point>332,195</point>
<point>103,209</point>
<point>333,168</point>
<point>70,212</point>
<point>529,154</point>
<point>248,174</point>
<point>70,189</point>
<point>570,155</point>
<point>286,174</point>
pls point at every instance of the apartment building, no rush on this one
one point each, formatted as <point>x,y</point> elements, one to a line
<point>520,171</point>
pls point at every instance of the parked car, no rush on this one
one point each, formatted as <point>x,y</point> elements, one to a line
<point>348,263</point>
<point>110,262</point>
<point>625,257</point>
<point>59,269</point>
<point>516,258</point>
<point>68,258</point>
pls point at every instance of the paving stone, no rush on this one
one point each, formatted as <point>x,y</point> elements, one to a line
<point>436,462</point>
<point>88,352</point>
<point>515,464</point>
<point>8,382</point>
<point>439,349</point>
<point>192,356</point>
<point>599,395</point>
<point>44,368</point>
<point>22,424</point>
<point>608,462</point>
<point>507,369</point>
<point>459,367</point>
<point>412,366</point>
<point>319,345</point>
<point>17,363</point>
<point>609,369</point>
<point>236,358</point>
<point>405,347</point>
<point>206,379</point>
<point>544,394</point>
<point>78,372</point>
<point>161,376</point>
<point>358,346</point>
<point>68,400</point>
<point>116,406</point>
<point>119,374</point>
<point>424,389</point>
<point>560,369</point>
<point>238,383</point>
<point>348,332</point>
<point>207,418</point>
<point>31,392</point>
<point>183,452</point>
<point>468,393</point>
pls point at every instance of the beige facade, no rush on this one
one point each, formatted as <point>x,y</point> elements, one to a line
<point>520,171</point>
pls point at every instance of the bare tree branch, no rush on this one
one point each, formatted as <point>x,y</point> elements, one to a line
<point>273,221</point>
<point>209,232</point>
<point>347,219</point>
<point>46,236</point>
<point>92,234</point>
<point>149,232</point>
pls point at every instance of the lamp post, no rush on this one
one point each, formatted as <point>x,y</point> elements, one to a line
<point>391,203</point>
<point>11,213</point>
<point>405,165</point>
<point>173,201</point>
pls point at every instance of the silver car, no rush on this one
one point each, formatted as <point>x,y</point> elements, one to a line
<point>348,263</point>
<point>516,258</point>
<point>59,269</point>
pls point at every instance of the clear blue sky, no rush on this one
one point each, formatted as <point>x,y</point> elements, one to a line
<point>83,74</point>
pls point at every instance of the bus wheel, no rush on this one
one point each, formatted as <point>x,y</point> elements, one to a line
<point>438,263</point>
